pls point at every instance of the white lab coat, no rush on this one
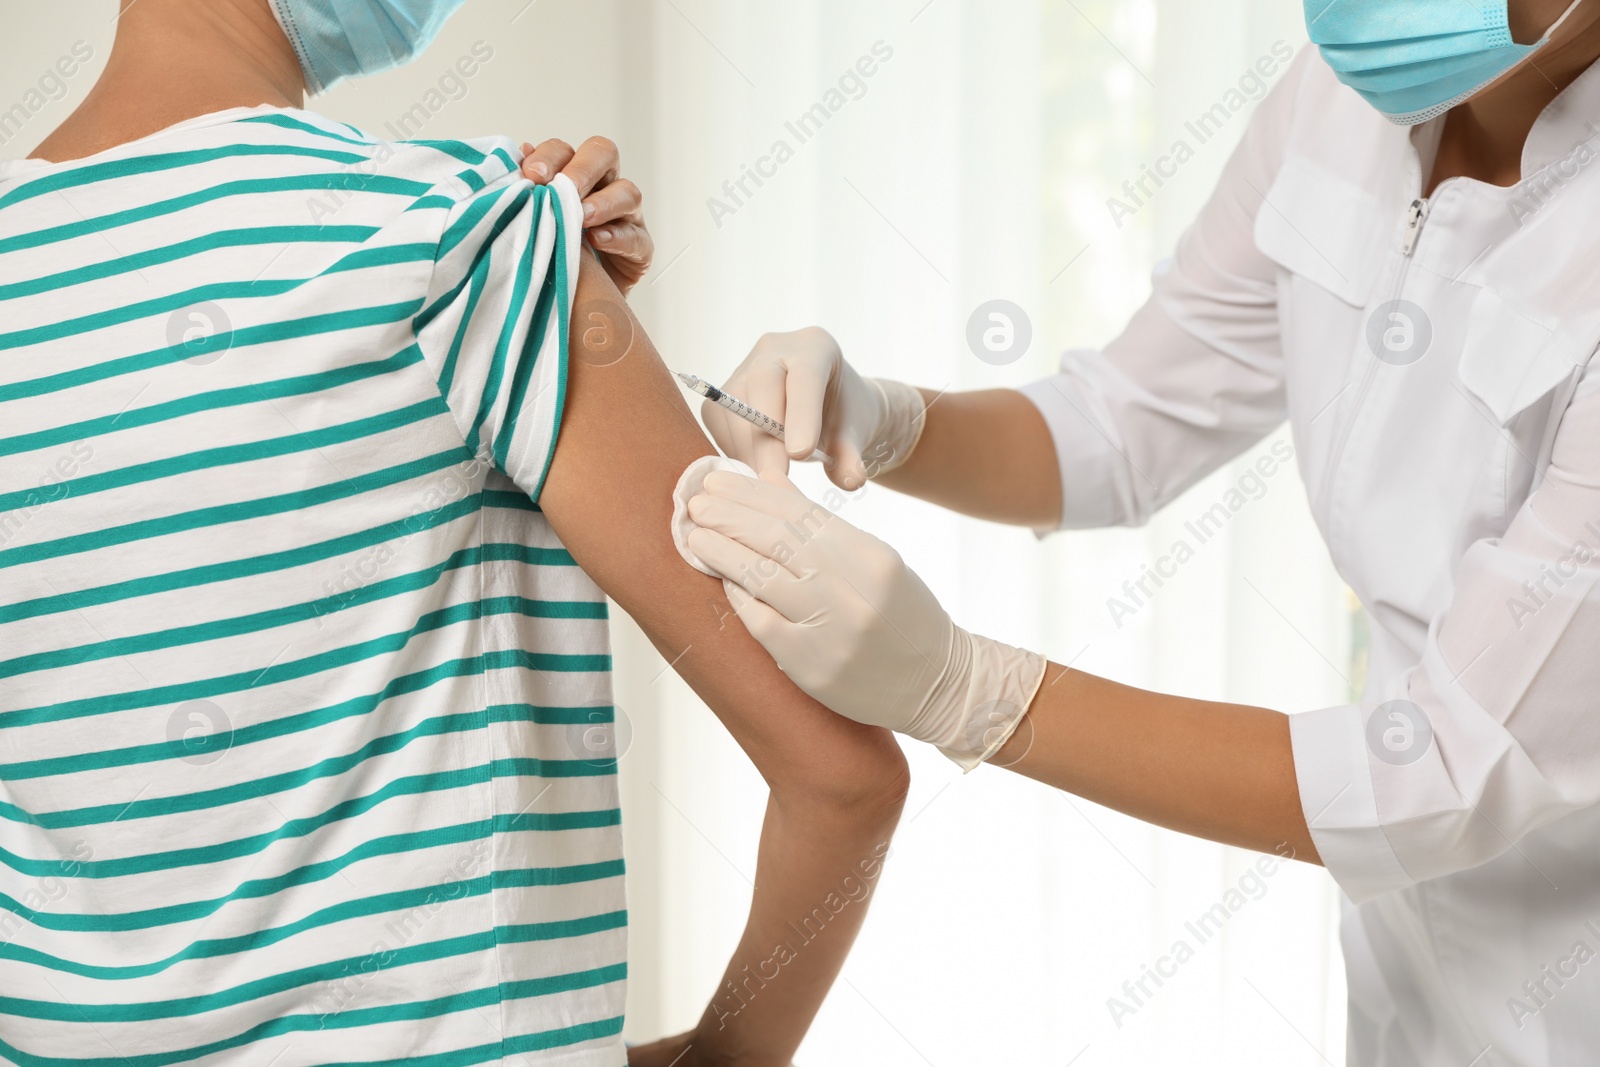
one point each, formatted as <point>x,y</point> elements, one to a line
<point>1458,488</point>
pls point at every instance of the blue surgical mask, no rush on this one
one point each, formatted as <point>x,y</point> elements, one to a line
<point>338,39</point>
<point>1414,60</point>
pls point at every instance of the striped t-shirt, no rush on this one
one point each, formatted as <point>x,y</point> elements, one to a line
<point>303,742</point>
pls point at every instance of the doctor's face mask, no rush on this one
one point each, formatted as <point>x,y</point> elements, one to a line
<point>338,39</point>
<point>1416,59</point>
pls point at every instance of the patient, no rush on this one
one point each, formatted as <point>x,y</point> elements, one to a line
<point>306,528</point>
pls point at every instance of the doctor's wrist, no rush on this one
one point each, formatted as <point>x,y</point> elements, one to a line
<point>899,428</point>
<point>982,698</point>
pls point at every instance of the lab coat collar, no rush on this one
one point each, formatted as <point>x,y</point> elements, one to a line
<point>1569,121</point>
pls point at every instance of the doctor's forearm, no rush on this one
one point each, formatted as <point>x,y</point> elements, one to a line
<point>987,454</point>
<point>1219,771</point>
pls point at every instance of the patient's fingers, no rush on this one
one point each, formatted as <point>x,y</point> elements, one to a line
<point>541,164</point>
<point>626,249</point>
<point>594,165</point>
<point>616,201</point>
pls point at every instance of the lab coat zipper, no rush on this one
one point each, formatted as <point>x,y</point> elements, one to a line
<point>1416,218</point>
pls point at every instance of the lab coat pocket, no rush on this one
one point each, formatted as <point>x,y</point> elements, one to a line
<point>1511,361</point>
<point>1318,226</point>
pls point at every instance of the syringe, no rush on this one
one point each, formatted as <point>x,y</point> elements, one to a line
<point>766,424</point>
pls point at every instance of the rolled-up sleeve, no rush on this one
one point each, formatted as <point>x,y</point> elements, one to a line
<point>1197,376</point>
<point>494,326</point>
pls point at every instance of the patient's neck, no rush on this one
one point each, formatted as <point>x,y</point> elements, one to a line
<point>174,60</point>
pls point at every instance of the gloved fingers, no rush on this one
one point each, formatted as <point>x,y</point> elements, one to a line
<point>805,398</point>
<point>763,622</point>
<point>759,576</point>
<point>847,471</point>
<point>777,498</point>
<point>768,535</point>
<point>765,385</point>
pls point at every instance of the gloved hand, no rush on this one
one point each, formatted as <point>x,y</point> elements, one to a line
<point>867,425</point>
<point>852,625</point>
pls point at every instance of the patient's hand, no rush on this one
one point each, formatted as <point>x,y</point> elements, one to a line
<point>612,213</point>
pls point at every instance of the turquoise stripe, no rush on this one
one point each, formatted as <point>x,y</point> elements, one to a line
<point>381,184</point>
<point>290,330</point>
<point>385,256</point>
<point>77,177</point>
<point>393,844</point>
<point>329,971</point>
<point>454,149</point>
<point>261,235</point>
<point>403,900</point>
<point>436,200</point>
<point>479,282</point>
<point>251,452</point>
<point>518,501</point>
<point>542,715</point>
<point>388,1013</point>
<point>212,400</point>
<point>576,820</point>
<point>296,500</point>
<point>288,122</point>
<point>503,156</point>
<point>550,768</point>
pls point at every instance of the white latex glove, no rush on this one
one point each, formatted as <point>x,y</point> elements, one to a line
<point>867,425</point>
<point>852,625</point>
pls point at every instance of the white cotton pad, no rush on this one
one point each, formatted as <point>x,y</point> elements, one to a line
<point>689,483</point>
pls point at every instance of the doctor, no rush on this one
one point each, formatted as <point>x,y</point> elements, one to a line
<point>1402,259</point>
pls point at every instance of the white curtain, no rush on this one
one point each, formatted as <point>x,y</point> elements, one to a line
<point>976,163</point>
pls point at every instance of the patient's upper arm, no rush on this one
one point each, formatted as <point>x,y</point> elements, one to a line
<point>626,435</point>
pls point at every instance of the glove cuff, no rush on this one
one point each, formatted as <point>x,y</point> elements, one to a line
<point>900,428</point>
<point>986,691</point>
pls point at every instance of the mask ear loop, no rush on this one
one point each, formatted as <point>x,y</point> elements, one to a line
<point>297,41</point>
<point>1544,39</point>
